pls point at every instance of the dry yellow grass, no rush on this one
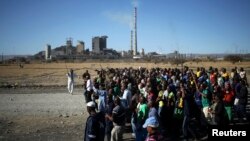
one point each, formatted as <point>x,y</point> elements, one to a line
<point>55,73</point>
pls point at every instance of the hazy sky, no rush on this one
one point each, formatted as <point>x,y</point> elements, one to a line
<point>189,26</point>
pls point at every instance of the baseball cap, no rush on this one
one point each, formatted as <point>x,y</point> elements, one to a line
<point>152,122</point>
<point>91,104</point>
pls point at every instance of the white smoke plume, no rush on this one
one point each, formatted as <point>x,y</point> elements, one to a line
<point>120,17</point>
<point>124,18</point>
<point>135,3</point>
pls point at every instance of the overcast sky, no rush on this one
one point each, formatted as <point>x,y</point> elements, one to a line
<point>189,26</point>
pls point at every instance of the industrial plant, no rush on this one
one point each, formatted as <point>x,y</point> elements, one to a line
<point>99,48</point>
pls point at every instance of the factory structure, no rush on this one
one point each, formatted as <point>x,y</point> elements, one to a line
<point>80,47</point>
<point>135,33</point>
<point>99,44</point>
<point>69,51</point>
<point>48,52</point>
<point>99,48</point>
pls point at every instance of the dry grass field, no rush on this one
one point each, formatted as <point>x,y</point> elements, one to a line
<point>54,74</point>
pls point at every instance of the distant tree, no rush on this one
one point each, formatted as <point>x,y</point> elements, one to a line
<point>233,58</point>
<point>177,61</point>
<point>197,60</point>
<point>211,59</point>
<point>87,51</point>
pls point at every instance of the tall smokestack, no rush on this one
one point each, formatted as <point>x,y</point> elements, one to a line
<point>132,43</point>
<point>135,34</point>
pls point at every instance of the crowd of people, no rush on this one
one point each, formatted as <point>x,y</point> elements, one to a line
<point>162,102</point>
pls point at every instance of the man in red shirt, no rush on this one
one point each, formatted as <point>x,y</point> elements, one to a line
<point>228,99</point>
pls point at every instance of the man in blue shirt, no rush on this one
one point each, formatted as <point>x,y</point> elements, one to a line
<point>102,96</point>
<point>118,118</point>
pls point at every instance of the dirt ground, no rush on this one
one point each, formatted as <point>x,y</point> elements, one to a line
<point>41,116</point>
<point>35,114</point>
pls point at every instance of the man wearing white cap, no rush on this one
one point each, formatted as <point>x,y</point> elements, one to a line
<point>93,131</point>
<point>152,124</point>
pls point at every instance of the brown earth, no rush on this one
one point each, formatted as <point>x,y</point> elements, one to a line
<point>55,115</point>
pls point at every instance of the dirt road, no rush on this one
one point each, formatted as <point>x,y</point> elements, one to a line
<point>43,115</point>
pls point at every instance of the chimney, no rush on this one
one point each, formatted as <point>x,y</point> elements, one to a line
<point>135,34</point>
<point>132,43</point>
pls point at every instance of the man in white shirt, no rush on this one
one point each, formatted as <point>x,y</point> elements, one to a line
<point>71,77</point>
<point>89,89</point>
<point>126,97</point>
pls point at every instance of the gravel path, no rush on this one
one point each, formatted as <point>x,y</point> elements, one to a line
<point>29,115</point>
<point>43,114</point>
<point>41,104</point>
